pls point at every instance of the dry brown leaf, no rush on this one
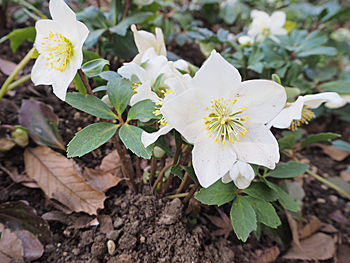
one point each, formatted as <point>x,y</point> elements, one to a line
<point>19,178</point>
<point>268,256</point>
<point>343,254</point>
<point>33,249</point>
<point>100,180</point>
<point>317,247</point>
<point>328,228</point>
<point>223,222</point>
<point>312,227</point>
<point>106,224</point>
<point>335,153</point>
<point>293,228</point>
<point>10,245</point>
<point>345,175</point>
<point>7,67</point>
<point>111,164</point>
<point>56,176</point>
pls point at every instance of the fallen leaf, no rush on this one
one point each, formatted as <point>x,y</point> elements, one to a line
<point>268,256</point>
<point>42,123</point>
<point>106,224</point>
<point>100,180</point>
<point>338,217</point>
<point>345,175</point>
<point>20,216</point>
<point>312,227</point>
<point>293,228</point>
<point>328,228</point>
<point>56,216</point>
<point>33,249</point>
<point>223,222</point>
<point>338,181</point>
<point>19,178</point>
<point>317,247</point>
<point>10,245</point>
<point>83,222</point>
<point>335,153</point>
<point>111,163</point>
<point>56,176</point>
<point>343,254</point>
<point>7,67</point>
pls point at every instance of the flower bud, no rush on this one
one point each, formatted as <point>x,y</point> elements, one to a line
<point>106,100</point>
<point>20,136</point>
<point>158,152</point>
<point>6,144</point>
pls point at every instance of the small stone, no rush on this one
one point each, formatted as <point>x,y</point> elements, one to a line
<point>142,239</point>
<point>113,235</point>
<point>333,198</point>
<point>127,241</point>
<point>321,200</point>
<point>67,232</point>
<point>76,251</point>
<point>124,205</point>
<point>64,254</point>
<point>324,187</point>
<point>172,212</point>
<point>98,249</point>
<point>77,116</point>
<point>111,247</point>
<point>118,222</point>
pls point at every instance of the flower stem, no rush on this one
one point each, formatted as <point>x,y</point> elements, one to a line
<point>85,81</point>
<point>330,184</point>
<point>191,193</point>
<point>18,82</point>
<point>19,67</point>
<point>153,169</point>
<point>160,176</point>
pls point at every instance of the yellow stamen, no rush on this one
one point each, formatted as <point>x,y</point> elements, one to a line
<point>306,116</point>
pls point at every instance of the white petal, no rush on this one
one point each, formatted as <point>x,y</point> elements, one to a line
<point>315,100</point>
<point>242,174</point>
<point>263,99</point>
<point>258,146</point>
<point>211,161</point>
<point>226,178</point>
<point>288,114</point>
<point>133,72</point>
<point>346,99</point>
<point>181,65</point>
<point>143,39</point>
<point>216,76</point>
<point>143,92</point>
<point>149,138</point>
<point>278,19</point>
<point>161,48</point>
<point>243,40</point>
<point>43,28</point>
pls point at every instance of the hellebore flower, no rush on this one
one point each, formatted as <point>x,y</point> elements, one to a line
<point>298,112</point>
<point>59,42</point>
<point>346,100</point>
<point>241,174</point>
<point>225,119</point>
<point>264,26</point>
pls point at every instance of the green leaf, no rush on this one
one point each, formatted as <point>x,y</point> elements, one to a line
<point>121,46</point>
<point>109,75</point>
<point>157,82</point>
<point>288,170</point>
<point>340,86</point>
<point>79,85</point>
<point>42,123</point>
<point>328,51</point>
<point>318,138</point>
<point>217,194</point>
<point>341,145</point>
<point>284,198</point>
<point>137,18</point>
<point>91,105</point>
<point>18,36</point>
<point>94,67</point>
<point>265,213</point>
<point>119,93</point>
<point>261,191</point>
<point>131,137</point>
<point>243,218</point>
<point>190,171</point>
<point>93,37</point>
<point>142,110</point>
<point>286,142</point>
<point>176,170</point>
<point>90,138</point>
<point>343,12</point>
<point>93,17</point>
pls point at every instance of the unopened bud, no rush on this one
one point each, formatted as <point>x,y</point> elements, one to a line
<point>106,100</point>
<point>20,136</point>
<point>158,152</point>
<point>6,144</point>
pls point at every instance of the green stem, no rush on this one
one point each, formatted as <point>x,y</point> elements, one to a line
<point>18,82</point>
<point>19,67</point>
<point>326,182</point>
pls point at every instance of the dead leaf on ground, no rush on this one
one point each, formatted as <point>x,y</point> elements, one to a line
<point>106,224</point>
<point>268,255</point>
<point>84,222</point>
<point>22,178</point>
<point>293,224</point>
<point>328,228</point>
<point>111,163</point>
<point>100,180</point>
<point>345,175</point>
<point>56,176</point>
<point>223,222</point>
<point>335,153</point>
<point>33,249</point>
<point>343,254</point>
<point>317,247</point>
<point>338,217</point>
<point>312,227</point>
<point>7,67</point>
<point>57,216</point>
<point>10,245</point>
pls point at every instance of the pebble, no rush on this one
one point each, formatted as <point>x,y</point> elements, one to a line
<point>321,200</point>
<point>111,247</point>
<point>118,222</point>
<point>142,239</point>
<point>123,205</point>
<point>77,116</point>
<point>333,198</point>
<point>97,249</point>
<point>64,254</point>
<point>324,187</point>
<point>76,251</point>
<point>113,235</point>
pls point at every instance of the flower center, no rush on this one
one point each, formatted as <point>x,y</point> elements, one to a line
<point>159,104</point>
<point>266,32</point>
<point>224,123</point>
<point>306,116</point>
<point>59,50</point>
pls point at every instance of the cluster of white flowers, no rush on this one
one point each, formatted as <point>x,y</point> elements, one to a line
<point>228,121</point>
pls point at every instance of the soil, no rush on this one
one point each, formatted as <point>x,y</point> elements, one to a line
<point>142,227</point>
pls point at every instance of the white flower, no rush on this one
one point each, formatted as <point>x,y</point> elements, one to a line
<point>59,42</point>
<point>143,2</point>
<point>225,119</point>
<point>346,100</point>
<point>145,40</point>
<point>241,174</point>
<point>298,112</point>
<point>264,26</point>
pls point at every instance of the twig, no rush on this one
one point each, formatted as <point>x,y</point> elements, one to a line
<point>160,176</point>
<point>126,9</point>
<point>153,169</point>
<point>191,193</point>
<point>85,81</point>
